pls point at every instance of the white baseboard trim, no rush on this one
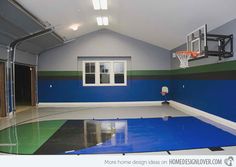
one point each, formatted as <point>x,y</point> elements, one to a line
<point>199,113</point>
<point>102,104</point>
<point>10,115</point>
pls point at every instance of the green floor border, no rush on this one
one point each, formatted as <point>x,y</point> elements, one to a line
<point>27,138</point>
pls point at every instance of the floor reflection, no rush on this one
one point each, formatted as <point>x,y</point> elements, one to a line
<point>98,132</point>
<point>113,136</point>
<point>79,134</point>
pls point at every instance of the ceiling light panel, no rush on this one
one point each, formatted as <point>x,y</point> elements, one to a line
<point>100,4</point>
<point>96,4</point>
<point>103,4</point>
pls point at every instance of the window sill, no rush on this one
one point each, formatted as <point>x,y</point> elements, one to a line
<point>103,85</point>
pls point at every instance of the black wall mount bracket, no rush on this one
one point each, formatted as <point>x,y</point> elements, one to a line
<point>225,46</point>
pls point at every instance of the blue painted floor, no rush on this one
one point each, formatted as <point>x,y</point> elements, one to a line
<point>156,134</point>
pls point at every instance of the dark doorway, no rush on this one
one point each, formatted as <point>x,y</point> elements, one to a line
<point>24,86</point>
<point>2,91</point>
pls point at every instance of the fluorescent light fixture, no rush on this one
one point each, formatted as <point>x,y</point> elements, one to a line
<point>74,27</point>
<point>99,21</point>
<point>102,21</point>
<point>105,21</point>
<point>100,4</point>
<point>103,4</point>
<point>96,4</point>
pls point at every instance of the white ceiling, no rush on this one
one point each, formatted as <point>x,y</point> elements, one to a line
<point>163,23</point>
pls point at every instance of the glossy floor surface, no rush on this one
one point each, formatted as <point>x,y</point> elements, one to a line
<point>113,136</point>
<point>149,130</point>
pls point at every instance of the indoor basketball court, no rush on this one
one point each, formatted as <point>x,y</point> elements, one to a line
<point>136,77</point>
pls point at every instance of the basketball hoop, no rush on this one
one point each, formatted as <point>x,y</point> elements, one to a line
<point>164,92</point>
<point>184,57</point>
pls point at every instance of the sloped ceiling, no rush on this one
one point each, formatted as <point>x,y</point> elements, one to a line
<point>16,23</point>
<point>163,23</point>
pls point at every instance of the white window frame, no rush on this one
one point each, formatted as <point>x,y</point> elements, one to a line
<point>112,74</point>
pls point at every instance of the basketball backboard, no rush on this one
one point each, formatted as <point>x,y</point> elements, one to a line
<point>197,40</point>
<point>201,44</point>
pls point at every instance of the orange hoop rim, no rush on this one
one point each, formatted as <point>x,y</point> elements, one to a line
<point>163,93</point>
<point>194,54</point>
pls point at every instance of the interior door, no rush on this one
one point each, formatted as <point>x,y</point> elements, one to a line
<point>33,86</point>
<point>2,90</point>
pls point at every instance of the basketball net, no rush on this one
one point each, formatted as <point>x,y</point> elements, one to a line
<point>184,57</point>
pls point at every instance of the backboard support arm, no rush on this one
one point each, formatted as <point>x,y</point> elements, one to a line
<point>224,41</point>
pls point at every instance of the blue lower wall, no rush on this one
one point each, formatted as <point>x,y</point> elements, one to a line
<point>216,97</point>
<point>201,87</point>
<point>73,91</point>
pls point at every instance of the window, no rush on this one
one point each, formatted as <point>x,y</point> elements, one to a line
<point>119,73</point>
<point>90,73</point>
<point>104,73</point>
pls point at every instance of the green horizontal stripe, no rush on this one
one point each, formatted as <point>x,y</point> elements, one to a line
<point>226,66</point>
<point>148,72</point>
<point>79,73</point>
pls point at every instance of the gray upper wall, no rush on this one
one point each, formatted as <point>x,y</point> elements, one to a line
<point>21,57</point>
<point>25,58</point>
<point>3,53</point>
<point>226,29</point>
<point>144,56</point>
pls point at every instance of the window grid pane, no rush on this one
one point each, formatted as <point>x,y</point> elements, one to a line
<point>90,68</point>
<point>119,68</point>
<point>105,68</point>
<point>119,77</point>
<point>87,67</point>
<point>90,78</point>
<point>105,72</point>
<point>104,78</point>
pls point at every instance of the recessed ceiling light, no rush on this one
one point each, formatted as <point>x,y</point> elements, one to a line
<point>74,27</point>
<point>100,4</point>
<point>102,21</point>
